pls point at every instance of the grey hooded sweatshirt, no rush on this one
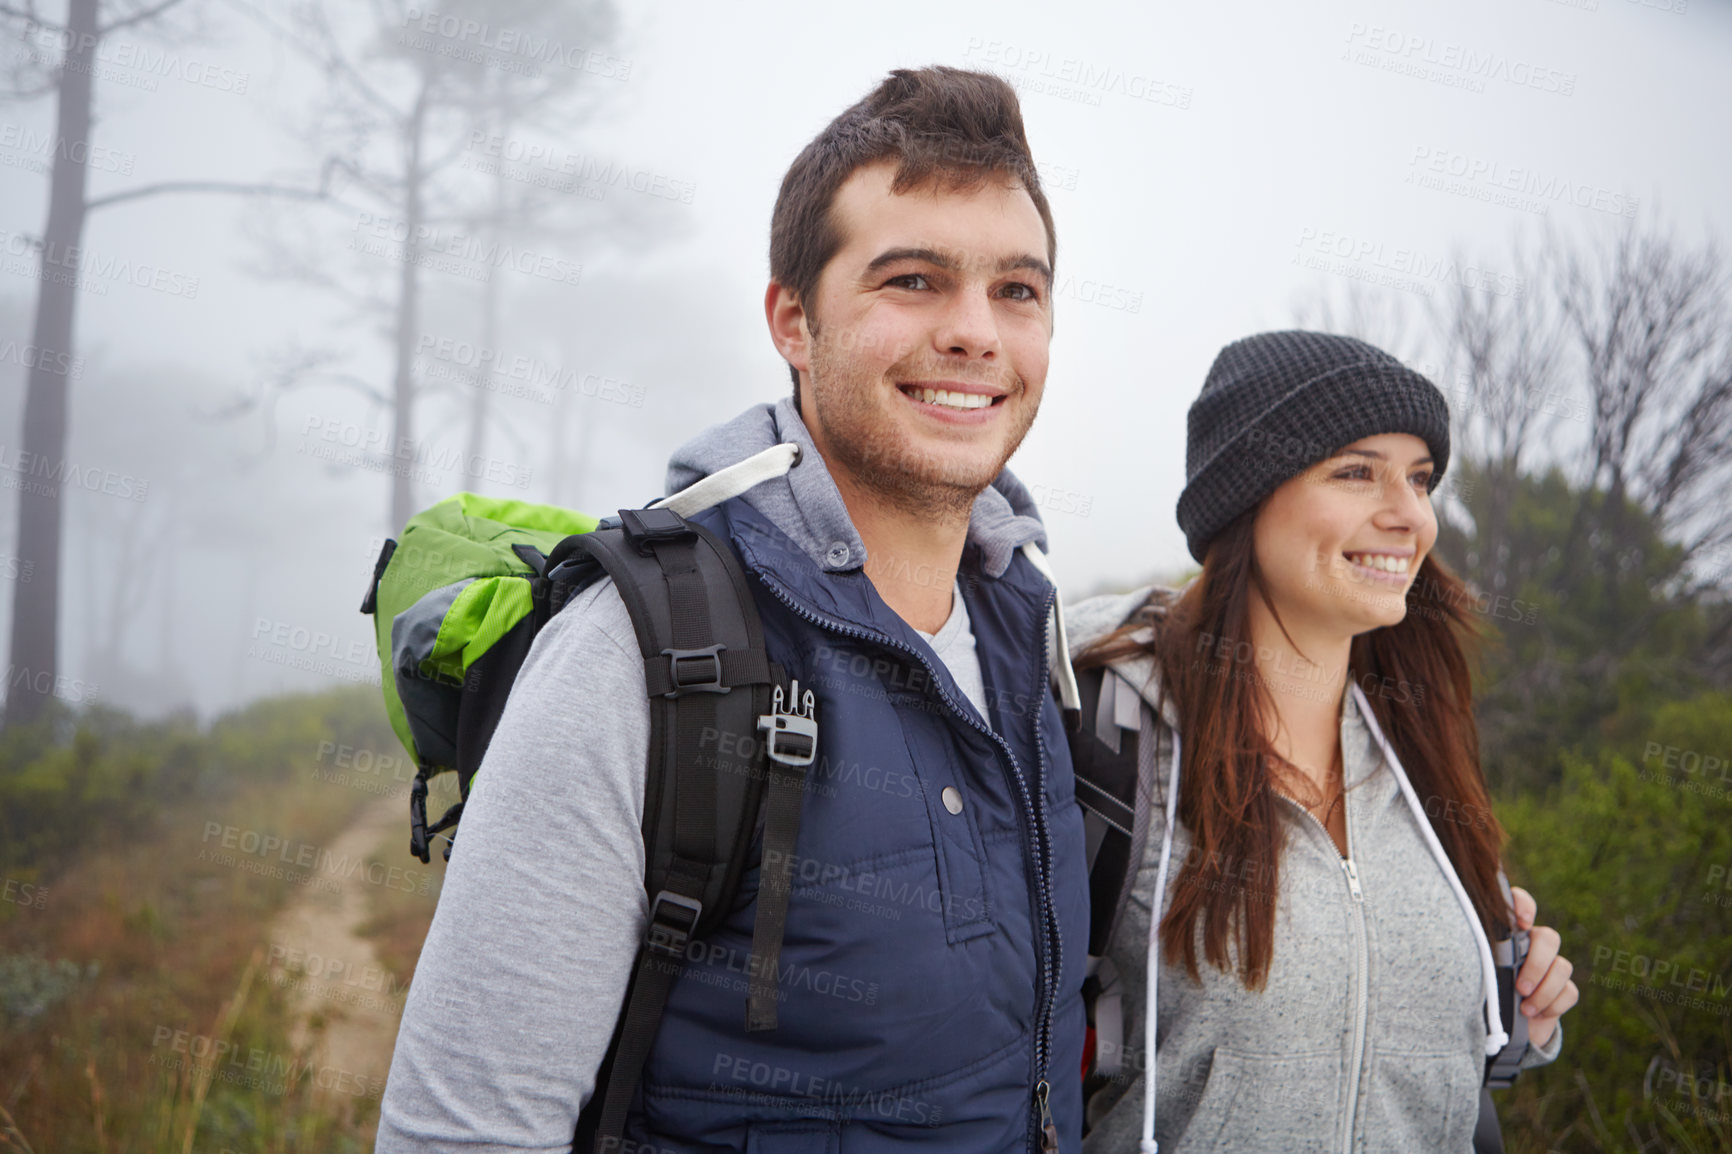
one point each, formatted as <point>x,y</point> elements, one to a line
<point>1370,1034</point>
<point>526,963</point>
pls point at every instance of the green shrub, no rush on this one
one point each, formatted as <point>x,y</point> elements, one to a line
<point>1629,860</point>
<point>72,779</point>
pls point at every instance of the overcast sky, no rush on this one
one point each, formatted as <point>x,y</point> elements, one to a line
<point>1210,167</point>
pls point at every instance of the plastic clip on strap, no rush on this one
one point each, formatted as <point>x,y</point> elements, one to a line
<point>673,917</point>
<point>644,527</point>
<point>791,744</point>
<point>792,728</point>
<point>695,670</point>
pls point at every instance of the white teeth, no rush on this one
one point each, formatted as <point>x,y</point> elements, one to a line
<point>955,400</point>
<point>1381,561</point>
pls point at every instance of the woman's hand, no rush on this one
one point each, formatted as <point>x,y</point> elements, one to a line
<point>1544,981</point>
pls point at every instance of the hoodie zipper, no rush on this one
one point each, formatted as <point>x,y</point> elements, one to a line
<point>1362,997</point>
<point>1034,814</point>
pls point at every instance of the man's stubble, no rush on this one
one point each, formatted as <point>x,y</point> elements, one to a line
<point>848,396</point>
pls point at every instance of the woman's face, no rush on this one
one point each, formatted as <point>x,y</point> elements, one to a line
<point>1339,545</point>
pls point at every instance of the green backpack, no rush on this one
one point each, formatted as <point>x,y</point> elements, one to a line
<point>451,601</point>
<point>457,603</point>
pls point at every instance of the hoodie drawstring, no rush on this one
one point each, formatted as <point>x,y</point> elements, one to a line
<point>1495,1038</point>
<point>725,484</point>
<point>1068,694</point>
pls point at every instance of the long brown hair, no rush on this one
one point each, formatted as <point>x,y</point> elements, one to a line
<point>1415,675</point>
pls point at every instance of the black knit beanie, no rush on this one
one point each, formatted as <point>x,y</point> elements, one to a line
<point>1277,403</point>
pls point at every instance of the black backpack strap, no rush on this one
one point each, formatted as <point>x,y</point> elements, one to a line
<point>1104,754</point>
<point>790,746</point>
<point>1106,747</point>
<point>1508,955</point>
<point>1487,1134</point>
<point>710,685</point>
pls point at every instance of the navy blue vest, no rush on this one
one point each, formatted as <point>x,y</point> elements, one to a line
<point>931,972</point>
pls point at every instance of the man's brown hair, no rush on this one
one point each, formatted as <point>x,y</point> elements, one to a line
<point>939,123</point>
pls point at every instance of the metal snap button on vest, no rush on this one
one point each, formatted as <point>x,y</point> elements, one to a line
<point>838,553</point>
<point>952,799</point>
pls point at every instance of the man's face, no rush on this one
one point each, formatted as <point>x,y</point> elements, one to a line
<point>934,320</point>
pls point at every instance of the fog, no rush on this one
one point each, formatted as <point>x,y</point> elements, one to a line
<point>1212,170</point>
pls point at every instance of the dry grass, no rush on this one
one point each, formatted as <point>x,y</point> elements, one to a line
<point>170,1040</point>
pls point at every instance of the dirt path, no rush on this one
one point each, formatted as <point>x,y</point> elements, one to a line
<point>348,1008</point>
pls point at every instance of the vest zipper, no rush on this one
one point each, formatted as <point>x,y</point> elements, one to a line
<point>1035,814</point>
<point>1362,996</point>
<point>1048,1132</point>
<point>1052,960</point>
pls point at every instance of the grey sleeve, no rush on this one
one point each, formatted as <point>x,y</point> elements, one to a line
<point>1546,1054</point>
<point>526,963</point>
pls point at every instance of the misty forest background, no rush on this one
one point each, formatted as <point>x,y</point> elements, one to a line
<point>1591,385</point>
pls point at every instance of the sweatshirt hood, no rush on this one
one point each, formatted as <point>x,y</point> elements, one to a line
<point>806,505</point>
<point>1093,618</point>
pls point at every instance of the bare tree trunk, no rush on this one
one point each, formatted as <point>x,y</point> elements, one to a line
<point>408,324</point>
<point>36,603</point>
<point>556,448</point>
<point>569,456</point>
<point>581,456</point>
<point>165,615</point>
<point>489,327</point>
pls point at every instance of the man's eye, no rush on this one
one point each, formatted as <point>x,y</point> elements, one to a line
<point>910,280</point>
<point>1018,291</point>
<point>1354,473</point>
<point>1423,480</point>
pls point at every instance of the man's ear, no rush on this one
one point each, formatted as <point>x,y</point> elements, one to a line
<point>788,328</point>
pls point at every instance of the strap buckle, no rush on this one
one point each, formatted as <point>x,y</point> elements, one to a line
<point>695,670</point>
<point>792,732</point>
<point>672,919</point>
<point>645,526</point>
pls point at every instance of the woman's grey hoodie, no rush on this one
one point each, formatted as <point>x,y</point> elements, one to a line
<point>1371,1032</point>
